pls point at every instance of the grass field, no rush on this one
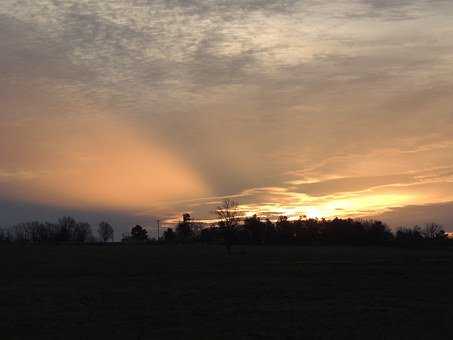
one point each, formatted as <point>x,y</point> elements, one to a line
<point>199,292</point>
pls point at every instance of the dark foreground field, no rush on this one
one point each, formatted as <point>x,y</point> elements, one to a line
<point>199,292</point>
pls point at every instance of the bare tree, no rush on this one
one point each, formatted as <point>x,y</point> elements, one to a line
<point>82,232</point>
<point>105,231</point>
<point>433,231</point>
<point>66,226</point>
<point>228,215</point>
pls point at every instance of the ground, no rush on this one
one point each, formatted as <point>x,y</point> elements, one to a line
<point>200,292</point>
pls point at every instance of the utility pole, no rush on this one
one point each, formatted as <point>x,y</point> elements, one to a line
<point>158,229</point>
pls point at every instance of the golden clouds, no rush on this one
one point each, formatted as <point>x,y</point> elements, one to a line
<point>94,162</point>
<point>347,205</point>
<point>330,108</point>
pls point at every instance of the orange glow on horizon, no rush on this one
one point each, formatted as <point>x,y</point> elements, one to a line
<point>357,206</point>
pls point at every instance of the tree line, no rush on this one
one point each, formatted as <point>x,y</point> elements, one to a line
<point>254,230</point>
<point>231,227</point>
<point>65,230</point>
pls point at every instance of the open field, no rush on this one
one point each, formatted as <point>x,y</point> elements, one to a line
<point>199,292</point>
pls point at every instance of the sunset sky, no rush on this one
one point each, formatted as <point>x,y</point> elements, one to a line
<point>135,110</point>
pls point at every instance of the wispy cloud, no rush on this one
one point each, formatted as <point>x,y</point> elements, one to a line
<point>310,102</point>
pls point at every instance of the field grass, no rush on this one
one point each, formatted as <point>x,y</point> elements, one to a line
<point>199,292</point>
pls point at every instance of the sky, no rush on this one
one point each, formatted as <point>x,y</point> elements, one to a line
<point>135,110</point>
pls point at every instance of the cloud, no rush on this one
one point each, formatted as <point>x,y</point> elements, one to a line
<point>341,197</point>
<point>420,214</point>
<point>323,100</point>
<point>91,162</point>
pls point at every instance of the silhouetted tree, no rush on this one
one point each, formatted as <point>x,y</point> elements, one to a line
<point>82,232</point>
<point>285,229</point>
<point>228,214</point>
<point>20,233</point>
<point>66,227</point>
<point>270,234</point>
<point>211,234</point>
<point>139,234</point>
<point>184,229</point>
<point>409,235</point>
<point>376,232</point>
<point>3,235</point>
<point>169,235</point>
<point>105,231</point>
<point>305,230</point>
<point>40,232</point>
<point>256,229</point>
<point>433,232</point>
